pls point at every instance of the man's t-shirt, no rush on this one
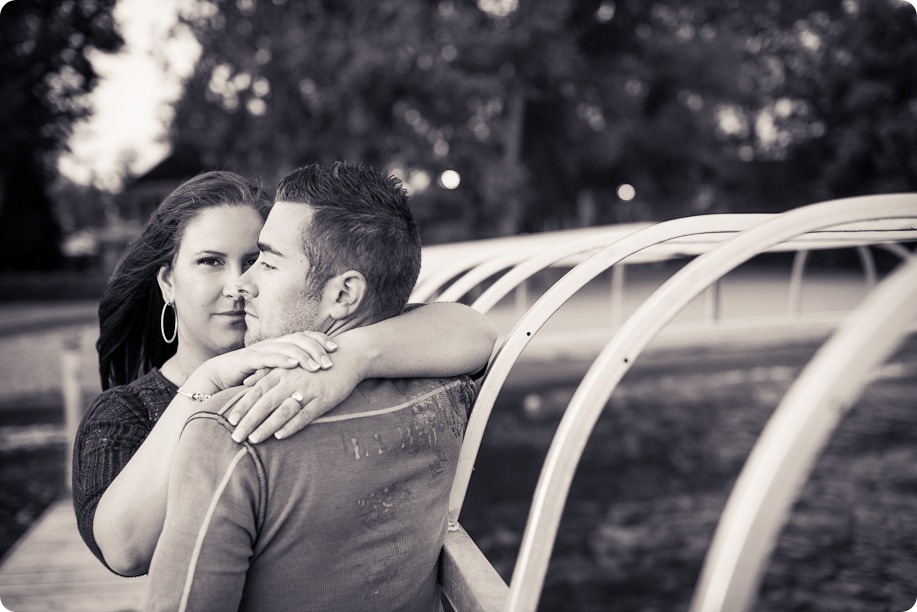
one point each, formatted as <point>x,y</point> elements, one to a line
<point>348,514</point>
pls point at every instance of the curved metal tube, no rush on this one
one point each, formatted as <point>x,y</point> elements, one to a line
<point>869,265</point>
<point>572,246</point>
<point>428,286</point>
<point>898,250</point>
<point>545,259</point>
<point>624,347</point>
<point>784,454</point>
<point>549,303</point>
<point>799,266</point>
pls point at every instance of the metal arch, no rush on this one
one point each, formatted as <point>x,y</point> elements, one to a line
<point>838,237</point>
<point>475,276</point>
<point>799,263</point>
<point>785,452</point>
<point>618,355</point>
<point>428,286</point>
<point>467,255</point>
<point>545,259</point>
<point>897,249</point>
<point>550,302</point>
<point>571,246</point>
<point>869,265</point>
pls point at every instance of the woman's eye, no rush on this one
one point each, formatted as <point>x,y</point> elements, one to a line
<point>248,263</point>
<point>210,261</point>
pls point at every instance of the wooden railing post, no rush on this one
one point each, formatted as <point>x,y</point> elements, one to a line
<point>71,395</point>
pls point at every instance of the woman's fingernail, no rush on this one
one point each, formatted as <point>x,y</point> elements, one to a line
<point>233,419</point>
<point>326,362</point>
<point>314,365</point>
<point>292,361</point>
<point>236,439</point>
<point>331,345</point>
<point>279,436</point>
<point>254,439</point>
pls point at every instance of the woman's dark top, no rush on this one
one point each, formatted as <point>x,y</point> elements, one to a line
<point>114,427</point>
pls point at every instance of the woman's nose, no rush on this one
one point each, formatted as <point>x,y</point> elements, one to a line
<point>231,289</point>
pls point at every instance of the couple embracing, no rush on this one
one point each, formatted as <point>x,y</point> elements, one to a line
<point>278,430</point>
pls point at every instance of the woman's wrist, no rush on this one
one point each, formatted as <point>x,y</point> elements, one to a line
<point>357,351</point>
<point>200,383</point>
<point>194,395</point>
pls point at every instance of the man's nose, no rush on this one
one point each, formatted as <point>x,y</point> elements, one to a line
<point>244,285</point>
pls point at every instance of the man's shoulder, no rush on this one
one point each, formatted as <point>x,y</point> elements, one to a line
<point>380,396</point>
<point>208,420</point>
<point>219,403</point>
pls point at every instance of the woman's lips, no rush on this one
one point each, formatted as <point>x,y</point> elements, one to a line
<point>233,314</point>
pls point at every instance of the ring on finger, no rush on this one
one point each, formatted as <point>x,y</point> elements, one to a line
<point>296,395</point>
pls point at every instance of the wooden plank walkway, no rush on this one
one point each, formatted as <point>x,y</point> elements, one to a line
<point>50,568</point>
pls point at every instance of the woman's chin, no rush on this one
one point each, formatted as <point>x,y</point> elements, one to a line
<point>231,342</point>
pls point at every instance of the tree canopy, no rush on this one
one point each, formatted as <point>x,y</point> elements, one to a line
<point>45,76</point>
<point>546,107</point>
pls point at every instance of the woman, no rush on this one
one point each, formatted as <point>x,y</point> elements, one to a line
<point>185,263</point>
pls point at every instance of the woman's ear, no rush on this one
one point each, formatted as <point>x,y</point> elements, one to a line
<point>164,278</point>
<point>345,294</point>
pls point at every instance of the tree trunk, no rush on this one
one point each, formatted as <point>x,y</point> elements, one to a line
<point>512,171</point>
<point>29,231</point>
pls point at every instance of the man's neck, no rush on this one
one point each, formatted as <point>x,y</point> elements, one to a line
<point>334,327</point>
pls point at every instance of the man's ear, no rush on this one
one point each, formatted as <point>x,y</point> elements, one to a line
<point>344,295</point>
<point>164,278</point>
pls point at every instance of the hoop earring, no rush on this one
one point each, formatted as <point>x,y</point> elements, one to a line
<point>162,323</point>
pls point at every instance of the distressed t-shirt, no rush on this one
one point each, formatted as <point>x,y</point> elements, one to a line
<point>348,514</point>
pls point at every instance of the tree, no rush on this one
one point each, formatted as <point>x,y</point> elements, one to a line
<point>416,86</point>
<point>545,107</point>
<point>45,74</point>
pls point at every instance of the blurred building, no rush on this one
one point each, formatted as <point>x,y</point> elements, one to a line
<point>142,195</point>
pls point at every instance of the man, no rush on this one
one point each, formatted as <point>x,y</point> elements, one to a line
<point>350,513</point>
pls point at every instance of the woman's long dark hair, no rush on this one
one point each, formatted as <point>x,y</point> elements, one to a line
<point>130,343</point>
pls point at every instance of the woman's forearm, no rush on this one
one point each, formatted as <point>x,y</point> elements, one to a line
<point>130,514</point>
<point>439,339</point>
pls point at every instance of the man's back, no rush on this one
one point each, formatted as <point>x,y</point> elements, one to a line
<point>349,514</point>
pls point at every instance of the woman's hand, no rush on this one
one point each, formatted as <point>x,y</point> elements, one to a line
<point>268,408</point>
<point>307,350</point>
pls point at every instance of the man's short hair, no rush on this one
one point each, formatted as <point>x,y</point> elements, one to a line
<point>361,222</point>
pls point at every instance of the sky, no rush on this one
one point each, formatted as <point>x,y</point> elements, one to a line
<point>131,100</point>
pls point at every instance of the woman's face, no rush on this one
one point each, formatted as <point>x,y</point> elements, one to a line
<point>218,245</point>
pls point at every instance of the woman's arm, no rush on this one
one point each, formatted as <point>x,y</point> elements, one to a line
<point>440,339</point>
<point>131,511</point>
<point>132,508</point>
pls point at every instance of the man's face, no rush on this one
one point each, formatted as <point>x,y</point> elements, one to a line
<point>276,287</point>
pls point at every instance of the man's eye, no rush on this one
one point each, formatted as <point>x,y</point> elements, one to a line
<point>267,266</point>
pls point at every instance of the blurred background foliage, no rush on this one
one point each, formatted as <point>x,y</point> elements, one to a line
<point>45,77</point>
<point>543,108</point>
